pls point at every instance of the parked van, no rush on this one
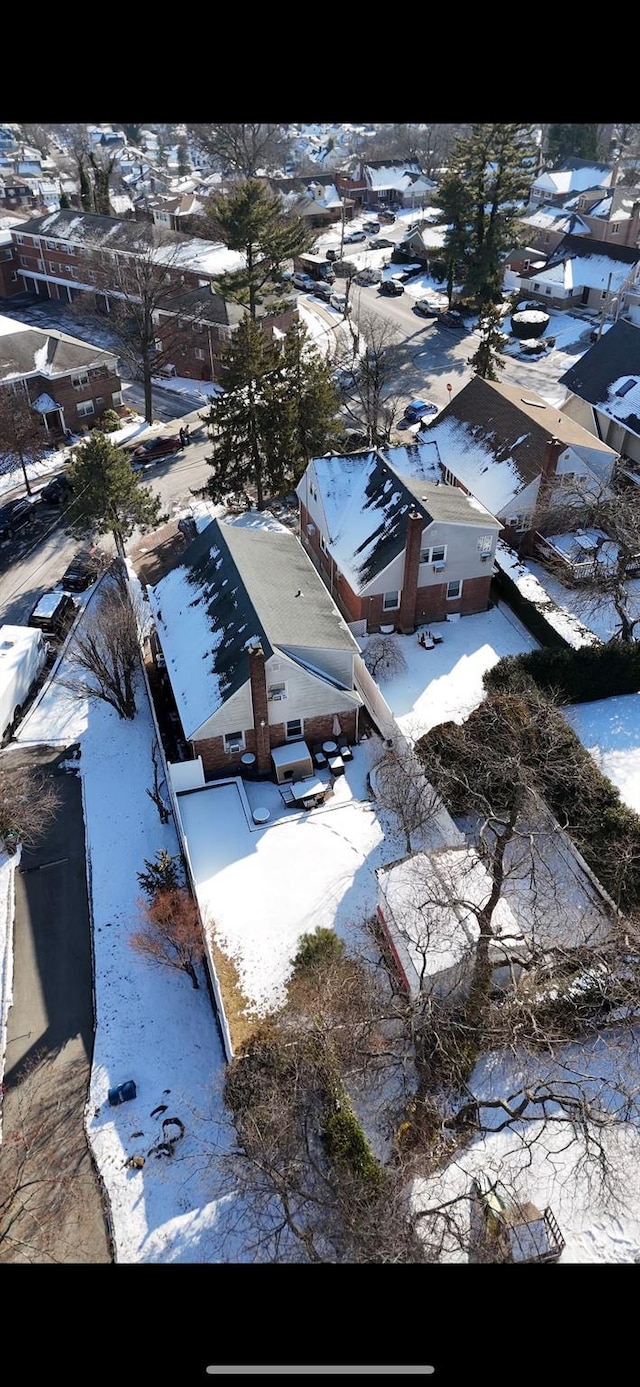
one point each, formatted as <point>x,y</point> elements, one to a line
<point>23,654</point>
<point>54,613</point>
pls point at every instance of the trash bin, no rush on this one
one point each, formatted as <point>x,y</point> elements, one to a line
<point>122,1094</point>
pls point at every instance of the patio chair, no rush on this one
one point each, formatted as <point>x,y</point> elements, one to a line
<point>287,796</point>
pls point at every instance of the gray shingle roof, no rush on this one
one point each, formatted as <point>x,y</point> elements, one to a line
<point>31,351</point>
<point>596,375</point>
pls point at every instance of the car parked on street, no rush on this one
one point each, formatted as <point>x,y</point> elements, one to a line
<point>417,410</point>
<point>57,491</point>
<point>162,446</point>
<point>53,613</point>
<point>83,570</point>
<point>425,309</point>
<point>354,236</point>
<point>372,226</point>
<point>451,319</point>
<point>392,287</point>
<point>368,276</point>
<point>386,215</point>
<point>381,243</point>
<point>16,515</point>
<point>303,282</point>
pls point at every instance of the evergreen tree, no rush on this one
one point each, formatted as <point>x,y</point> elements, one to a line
<point>487,361</point>
<point>250,220</point>
<point>108,496</point>
<point>277,411</point>
<point>489,179</point>
<point>572,142</point>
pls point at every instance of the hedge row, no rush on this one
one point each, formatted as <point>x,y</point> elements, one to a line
<point>573,676</point>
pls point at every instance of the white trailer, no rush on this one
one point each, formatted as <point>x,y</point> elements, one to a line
<point>23,653</point>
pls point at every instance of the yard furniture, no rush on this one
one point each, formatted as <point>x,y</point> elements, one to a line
<point>319,758</point>
<point>261,815</point>
<point>336,765</point>
<point>344,750</point>
<point>330,748</point>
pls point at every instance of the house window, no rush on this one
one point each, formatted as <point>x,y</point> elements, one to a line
<point>13,276</point>
<point>323,544</point>
<point>80,379</point>
<point>51,245</point>
<point>199,354</point>
<point>615,227</point>
<point>454,589</point>
<point>233,741</point>
<point>85,407</point>
<point>24,260</point>
<point>547,291</point>
<point>484,544</point>
<point>294,729</point>
<point>390,601</point>
<point>20,240</point>
<point>116,398</point>
<point>537,288</point>
<point>436,554</point>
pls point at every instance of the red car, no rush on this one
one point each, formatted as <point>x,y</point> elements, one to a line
<point>155,448</point>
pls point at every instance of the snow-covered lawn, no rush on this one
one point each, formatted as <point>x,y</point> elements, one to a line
<point>609,728</point>
<point>445,684</point>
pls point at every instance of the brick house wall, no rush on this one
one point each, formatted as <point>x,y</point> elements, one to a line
<point>429,603</point>
<point>10,281</point>
<point>102,390</point>
<point>199,354</point>
<point>217,762</point>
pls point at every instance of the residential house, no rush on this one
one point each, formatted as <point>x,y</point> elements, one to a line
<point>586,273</point>
<point>604,392</point>
<point>609,215</point>
<point>69,254</point>
<point>69,383</point>
<point>194,329</point>
<point>515,452</point>
<point>256,652</point>
<point>174,211</point>
<point>10,281</point>
<point>382,183</point>
<point>423,242</point>
<point>394,545</point>
<point>316,200</point>
<point>555,186</point>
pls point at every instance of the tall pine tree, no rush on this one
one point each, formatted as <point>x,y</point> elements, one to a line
<point>250,220</point>
<point>481,197</point>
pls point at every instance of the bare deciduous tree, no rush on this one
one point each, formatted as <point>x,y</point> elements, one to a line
<point>107,648</point>
<point>171,935</point>
<point>155,794</point>
<point>373,403</point>
<point>29,801</point>
<point>601,577</point>
<point>247,150</point>
<point>383,657</point>
<point>22,436</point>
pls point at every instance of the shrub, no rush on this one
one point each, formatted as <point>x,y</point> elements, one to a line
<point>316,949</point>
<point>574,676</point>
<point>110,421</point>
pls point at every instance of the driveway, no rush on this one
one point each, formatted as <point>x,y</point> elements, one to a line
<point>52,1207</point>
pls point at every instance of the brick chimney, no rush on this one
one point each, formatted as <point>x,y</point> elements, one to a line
<point>260,703</point>
<point>407,613</point>
<point>553,449</point>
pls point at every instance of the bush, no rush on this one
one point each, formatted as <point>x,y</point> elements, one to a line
<point>574,676</point>
<point>110,421</point>
<point>316,949</point>
<point>346,1142</point>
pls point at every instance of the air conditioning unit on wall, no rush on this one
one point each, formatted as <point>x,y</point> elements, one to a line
<point>233,746</point>
<point>277,697</point>
<point>439,566</point>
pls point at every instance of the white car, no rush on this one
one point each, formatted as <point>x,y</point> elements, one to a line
<point>304,282</point>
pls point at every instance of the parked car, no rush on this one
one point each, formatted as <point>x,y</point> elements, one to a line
<point>344,377</point>
<point>155,448</point>
<point>386,215</point>
<point>451,319</point>
<point>333,253</point>
<point>391,286</point>
<point>354,236</point>
<point>17,514</point>
<point>303,282</point>
<point>339,303</point>
<point>83,570</point>
<point>323,290</point>
<point>381,243</point>
<point>57,491</point>
<point>372,226</point>
<point>53,613</point>
<point>368,276</point>
<point>418,409</point>
<point>426,309</point>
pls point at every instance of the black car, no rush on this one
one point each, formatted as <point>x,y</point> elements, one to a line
<point>381,243</point>
<point>451,319</point>
<point>54,613</point>
<point>16,515</point>
<point>386,215</point>
<point>83,570</point>
<point>57,491</point>
<point>391,286</point>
